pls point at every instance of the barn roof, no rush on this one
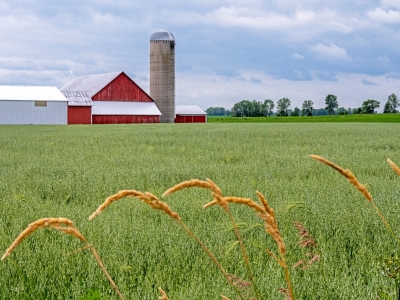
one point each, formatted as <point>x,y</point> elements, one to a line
<point>107,108</point>
<point>91,83</point>
<point>33,93</point>
<point>76,98</point>
<point>189,110</point>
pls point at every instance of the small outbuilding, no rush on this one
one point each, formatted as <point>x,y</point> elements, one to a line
<point>32,105</point>
<point>190,114</point>
<point>117,99</point>
<point>79,107</point>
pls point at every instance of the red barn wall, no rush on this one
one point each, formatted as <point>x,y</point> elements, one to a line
<point>190,119</point>
<point>79,115</point>
<point>99,119</point>
<point>122,88</point>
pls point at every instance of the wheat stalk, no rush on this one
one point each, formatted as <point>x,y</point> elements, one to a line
<point>66,226</point>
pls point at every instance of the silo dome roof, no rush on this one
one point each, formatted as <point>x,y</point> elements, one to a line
<point>162,35</point>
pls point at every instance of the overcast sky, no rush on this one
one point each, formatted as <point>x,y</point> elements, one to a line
<point>226,51</point>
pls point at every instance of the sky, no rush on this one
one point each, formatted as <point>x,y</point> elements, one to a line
<point>226,51</point>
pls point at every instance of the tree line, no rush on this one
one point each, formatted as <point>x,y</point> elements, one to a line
<point>247,108</point>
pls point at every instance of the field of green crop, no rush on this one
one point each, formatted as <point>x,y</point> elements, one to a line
<point>67,171</point>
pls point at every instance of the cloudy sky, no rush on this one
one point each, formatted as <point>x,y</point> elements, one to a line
<point>226,51</point>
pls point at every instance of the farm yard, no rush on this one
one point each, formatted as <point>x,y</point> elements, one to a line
<point>68,171</point>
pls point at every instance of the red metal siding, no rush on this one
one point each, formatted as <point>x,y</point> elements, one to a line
<point>125,119</point>
<point>79,115</point>
<point>190,119</point>
<point>122,88</point>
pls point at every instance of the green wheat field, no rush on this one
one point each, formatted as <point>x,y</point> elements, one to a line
<point>68,171</point>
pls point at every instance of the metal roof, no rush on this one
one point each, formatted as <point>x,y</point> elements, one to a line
<point>189,110</point>
<point>162,35</point>
<point>107,108</point>
<point>91,84</point>
<point>77,98</point>
<point>33,93</point>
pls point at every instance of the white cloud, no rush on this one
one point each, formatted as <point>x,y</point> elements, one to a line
<point>259,19</point>
<point>380,15</point>
<point>390,3</point>
<point>297,56</point>
<point>330,51</point>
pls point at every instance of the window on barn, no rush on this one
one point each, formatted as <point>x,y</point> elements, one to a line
<point>41,103</point>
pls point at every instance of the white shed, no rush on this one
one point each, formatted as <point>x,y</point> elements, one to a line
<point>32,105</point>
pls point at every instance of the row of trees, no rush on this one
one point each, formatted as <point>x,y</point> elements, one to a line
<point>247,108</point>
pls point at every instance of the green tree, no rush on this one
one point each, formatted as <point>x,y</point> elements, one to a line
<point>369,106</point>
<point>282,106</point>
<point>307,108</point>
<point>247,108</point>
<point>342,111</point>
<point>391,104</point>
<point>268,107</point>
<point>296,112</point>
<point>216,111</point>
<point>331,103</point>
<point>387,109</point>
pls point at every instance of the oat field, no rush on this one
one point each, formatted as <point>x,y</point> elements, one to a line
<point>68,171</point>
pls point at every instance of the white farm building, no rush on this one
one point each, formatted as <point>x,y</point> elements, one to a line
<point>32,105</point>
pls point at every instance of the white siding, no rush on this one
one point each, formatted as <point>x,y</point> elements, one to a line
<point>25,112</point>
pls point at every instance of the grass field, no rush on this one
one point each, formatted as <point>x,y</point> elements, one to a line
<point>67,171</point>
<point>379,118</point>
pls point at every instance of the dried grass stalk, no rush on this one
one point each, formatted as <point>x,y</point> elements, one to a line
<point>246,201</point>
<point>353,180</point>
<point>55,223</point>
<point>163,294</point>
<point>306,240</point>
<point>66,226</point>
<point>209,184</point>
<point>146,197</point>
<point>224,298</point>
<point>346,173</point>
<point>243,286</point>
<point>286,293</point>
<point>187,184</point>
<point>394,167</point>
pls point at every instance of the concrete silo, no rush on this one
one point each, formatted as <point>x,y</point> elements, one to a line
<point>162,73</point>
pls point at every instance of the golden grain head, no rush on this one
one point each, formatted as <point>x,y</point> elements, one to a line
<point>163,294</point>
<point>55,223</point>
<point>113,198</point>
<point>187,184</point>
<point>348,174</point>
<point>394,167</point>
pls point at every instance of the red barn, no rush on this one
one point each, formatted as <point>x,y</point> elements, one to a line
<point>79,107</point>
<point>190,114</point>
<point>116,99</point>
